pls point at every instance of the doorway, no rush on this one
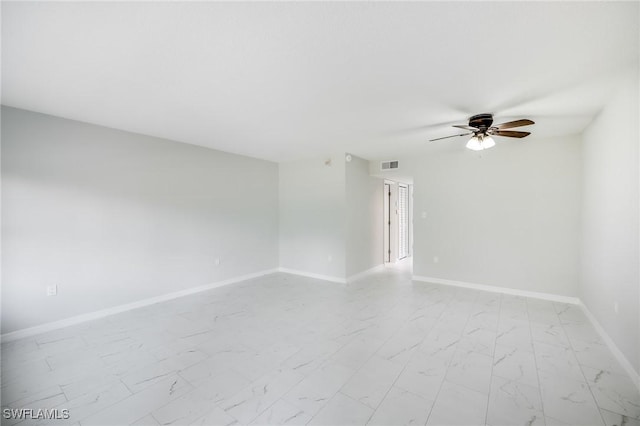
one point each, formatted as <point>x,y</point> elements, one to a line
<point>387,222</point>
<point>397,205</point>
<point>403,221</point>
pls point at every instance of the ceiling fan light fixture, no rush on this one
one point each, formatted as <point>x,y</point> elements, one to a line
<point>480,142</point>
<point>488,142</point>
<point>474,144</point>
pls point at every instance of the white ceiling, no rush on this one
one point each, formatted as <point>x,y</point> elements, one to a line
<point>283,81</point>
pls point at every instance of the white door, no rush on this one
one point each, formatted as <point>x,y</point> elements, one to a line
<point>387,222</point>
<point>403,221</point>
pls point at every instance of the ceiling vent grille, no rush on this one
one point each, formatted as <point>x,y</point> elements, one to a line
<point>389,165</point>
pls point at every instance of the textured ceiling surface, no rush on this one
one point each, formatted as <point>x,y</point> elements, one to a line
<point>283,81</point>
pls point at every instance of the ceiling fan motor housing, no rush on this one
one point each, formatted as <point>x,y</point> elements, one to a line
<point>481,121</point>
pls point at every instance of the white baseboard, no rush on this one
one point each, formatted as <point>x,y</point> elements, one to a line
<point>331,278</point>
<point>43,328</point>
<point>313,275</point>
<point>363,274</point>
<point>624,362</point>
<point>504,290</point>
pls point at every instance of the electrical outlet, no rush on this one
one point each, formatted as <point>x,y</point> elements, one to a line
<point>216,261</point>
<point>436,259</point>
<point>424,215</point>
<point>52,290</point>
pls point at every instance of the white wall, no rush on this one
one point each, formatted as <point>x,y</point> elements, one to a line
<point>312,216</point>
<point>113,217</point>
<point>364,198</point>
<point>330,217</point>
<point>506,217</point>
<point>610,256</point>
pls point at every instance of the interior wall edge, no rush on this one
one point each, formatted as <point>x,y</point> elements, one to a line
<point>365,273</point>
<point>330,278</point>
<point>609,275</point>
<point>620,357</point>
<point>495,289</point>
<point>78,319</point>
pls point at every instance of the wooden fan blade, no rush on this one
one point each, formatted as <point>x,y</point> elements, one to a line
<point>515,123</point>
<point>453,136</point>
<point>510,133</point>
<point>460,126</point>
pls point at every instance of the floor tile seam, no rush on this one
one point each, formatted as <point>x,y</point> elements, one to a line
<point>384,343</point>
<point>284,394</point>
<point>407,321</point>
<point>151,382</point>
<point>6,387</point>
<point>6,381</point>
<point>584,376</point>
<point>468,388</point>
<point>114,403</point>
<point>620,372</point>
<point>356,371</point>
<point>66,400</point>
<point>218,403</point>
<point>48,363</point>
<point>353,399</point>
<point>322,405</point>
<point>557,345</point>
<point>61,393</point>
<point>246,377</point>
<point>495,343</point>
<point>517,381</point>
<point>444,379</point>
<point>595,400</point>
<point>137,420</point>
<point>131,390</point>
<point>535,361</point>
<point>159,408</point>
<point>330,355</point>
<point>402,388</point>
<point>619,414</point>
<point>404,367</point>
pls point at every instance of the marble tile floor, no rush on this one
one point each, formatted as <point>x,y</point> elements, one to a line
<point>284,349</point>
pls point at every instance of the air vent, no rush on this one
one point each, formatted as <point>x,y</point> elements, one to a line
<point>389,165</point>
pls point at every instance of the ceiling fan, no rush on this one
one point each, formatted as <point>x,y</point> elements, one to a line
<point>482,128</point>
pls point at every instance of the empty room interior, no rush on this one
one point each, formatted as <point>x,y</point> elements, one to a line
<point>323,213</point>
